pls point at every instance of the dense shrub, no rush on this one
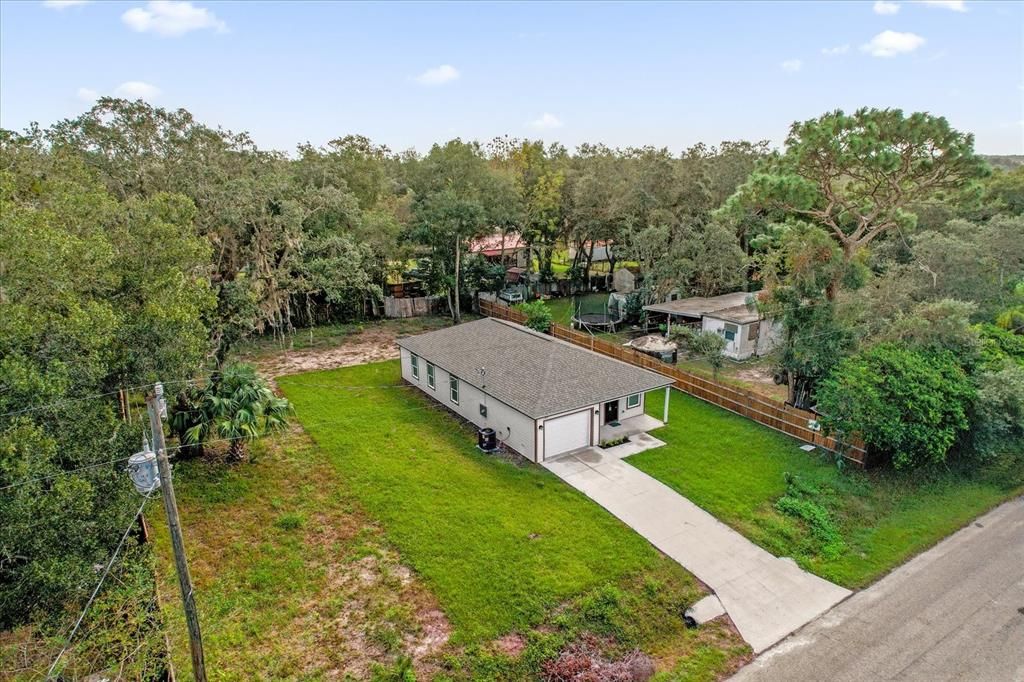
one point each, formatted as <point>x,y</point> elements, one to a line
<point>998,343</point>
<point>997,417</point>
<point>908,406</point>
<point>236,405</point>
<point>704,344</point>
<point>538,315</point>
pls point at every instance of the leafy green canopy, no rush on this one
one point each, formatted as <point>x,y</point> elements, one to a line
<point>95,294</point>
<point>909,406</point>
<point>858,175</point>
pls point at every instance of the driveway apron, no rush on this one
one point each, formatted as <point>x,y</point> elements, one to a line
<point>766,597</point>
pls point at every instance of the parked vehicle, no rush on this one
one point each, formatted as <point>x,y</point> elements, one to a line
<point>511,296</point>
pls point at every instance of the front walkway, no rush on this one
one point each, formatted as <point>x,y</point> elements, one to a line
<point>642,423</point>
<point>766,597</point>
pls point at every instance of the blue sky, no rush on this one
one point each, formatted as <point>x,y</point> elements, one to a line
<point>409,74</point>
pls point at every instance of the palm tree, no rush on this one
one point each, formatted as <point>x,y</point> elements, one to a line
<point>236,405</point>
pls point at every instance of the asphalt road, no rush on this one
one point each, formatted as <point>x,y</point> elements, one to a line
<point>955,612</point>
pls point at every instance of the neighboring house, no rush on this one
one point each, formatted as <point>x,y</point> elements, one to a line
<point>509,250</point>
<point>542,396</point>
<point>747,333</point>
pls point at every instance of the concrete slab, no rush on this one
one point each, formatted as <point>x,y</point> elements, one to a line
<point>630,426</point>
<point>708,608</point>
<point>766,597</point>
<point>635,445</point>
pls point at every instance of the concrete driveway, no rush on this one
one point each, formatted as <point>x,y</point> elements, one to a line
<point>955,612</point>
<point>766,597</point>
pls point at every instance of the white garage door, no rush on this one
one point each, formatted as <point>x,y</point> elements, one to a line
<point>566,433</point>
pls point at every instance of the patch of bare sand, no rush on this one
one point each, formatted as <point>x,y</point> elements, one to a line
<point>373,344</point>
<point>376,611</point>
<point>756,375</point>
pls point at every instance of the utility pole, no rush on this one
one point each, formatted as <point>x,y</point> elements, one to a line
<point>171,508</point>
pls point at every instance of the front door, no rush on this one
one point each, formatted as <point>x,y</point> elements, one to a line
<point>611,412</point>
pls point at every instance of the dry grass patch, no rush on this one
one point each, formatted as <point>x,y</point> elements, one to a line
<point>292,580</point>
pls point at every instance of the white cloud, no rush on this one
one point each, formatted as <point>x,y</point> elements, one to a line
<point>884,7</point>
<point>64,4</point>
<point>546,122</point>
<point>137,90</point>
<point>791,65</point>
<point>88,94</point>
<point>892,43</point>
<point>833,51</point>
<point>171,18</point>
<point>955,5</point>
<point>439,75</point>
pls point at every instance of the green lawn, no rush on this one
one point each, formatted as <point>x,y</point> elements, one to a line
<point>499,544</point>
<point>737,470</point>
<point>562,308</point>
<point>504,547</point>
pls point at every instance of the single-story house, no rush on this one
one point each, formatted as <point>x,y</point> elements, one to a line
<point>542,396</point>
<point>747,332</point>
<point>510,250</point>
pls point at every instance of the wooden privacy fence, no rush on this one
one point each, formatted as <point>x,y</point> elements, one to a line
<point>410,307</point>
<point>762,409</point>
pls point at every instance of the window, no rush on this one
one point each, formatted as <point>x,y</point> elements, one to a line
<point>633,401</point>
<point>753,331</point>
<point>453,389</point>
<point>430,375</point>
<point>730,332</point>
<point>415,367</point>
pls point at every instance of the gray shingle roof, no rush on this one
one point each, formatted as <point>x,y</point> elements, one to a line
<point>532,372</point>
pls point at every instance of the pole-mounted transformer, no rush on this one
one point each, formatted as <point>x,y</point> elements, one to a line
<point>143,470</point>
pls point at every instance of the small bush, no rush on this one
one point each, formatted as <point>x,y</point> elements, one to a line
<point>538,315</point>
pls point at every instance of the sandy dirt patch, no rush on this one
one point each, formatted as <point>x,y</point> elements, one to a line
<point>370,345</point>
<point>756,375</point>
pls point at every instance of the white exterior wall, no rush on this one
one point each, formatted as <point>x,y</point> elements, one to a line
<point>514,428</point>
<point>624,412</point>
<point>595,428</point>
<point>743,346</point>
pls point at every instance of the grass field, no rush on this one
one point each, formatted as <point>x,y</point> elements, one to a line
<point>498,543</point>
<point>345,546</point>
<point>737,470</point>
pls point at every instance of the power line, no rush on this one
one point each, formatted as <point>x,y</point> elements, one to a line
<point>185,446</point>
<point>92,396</point>
<point>96,590</point>
<point>63,472</point>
